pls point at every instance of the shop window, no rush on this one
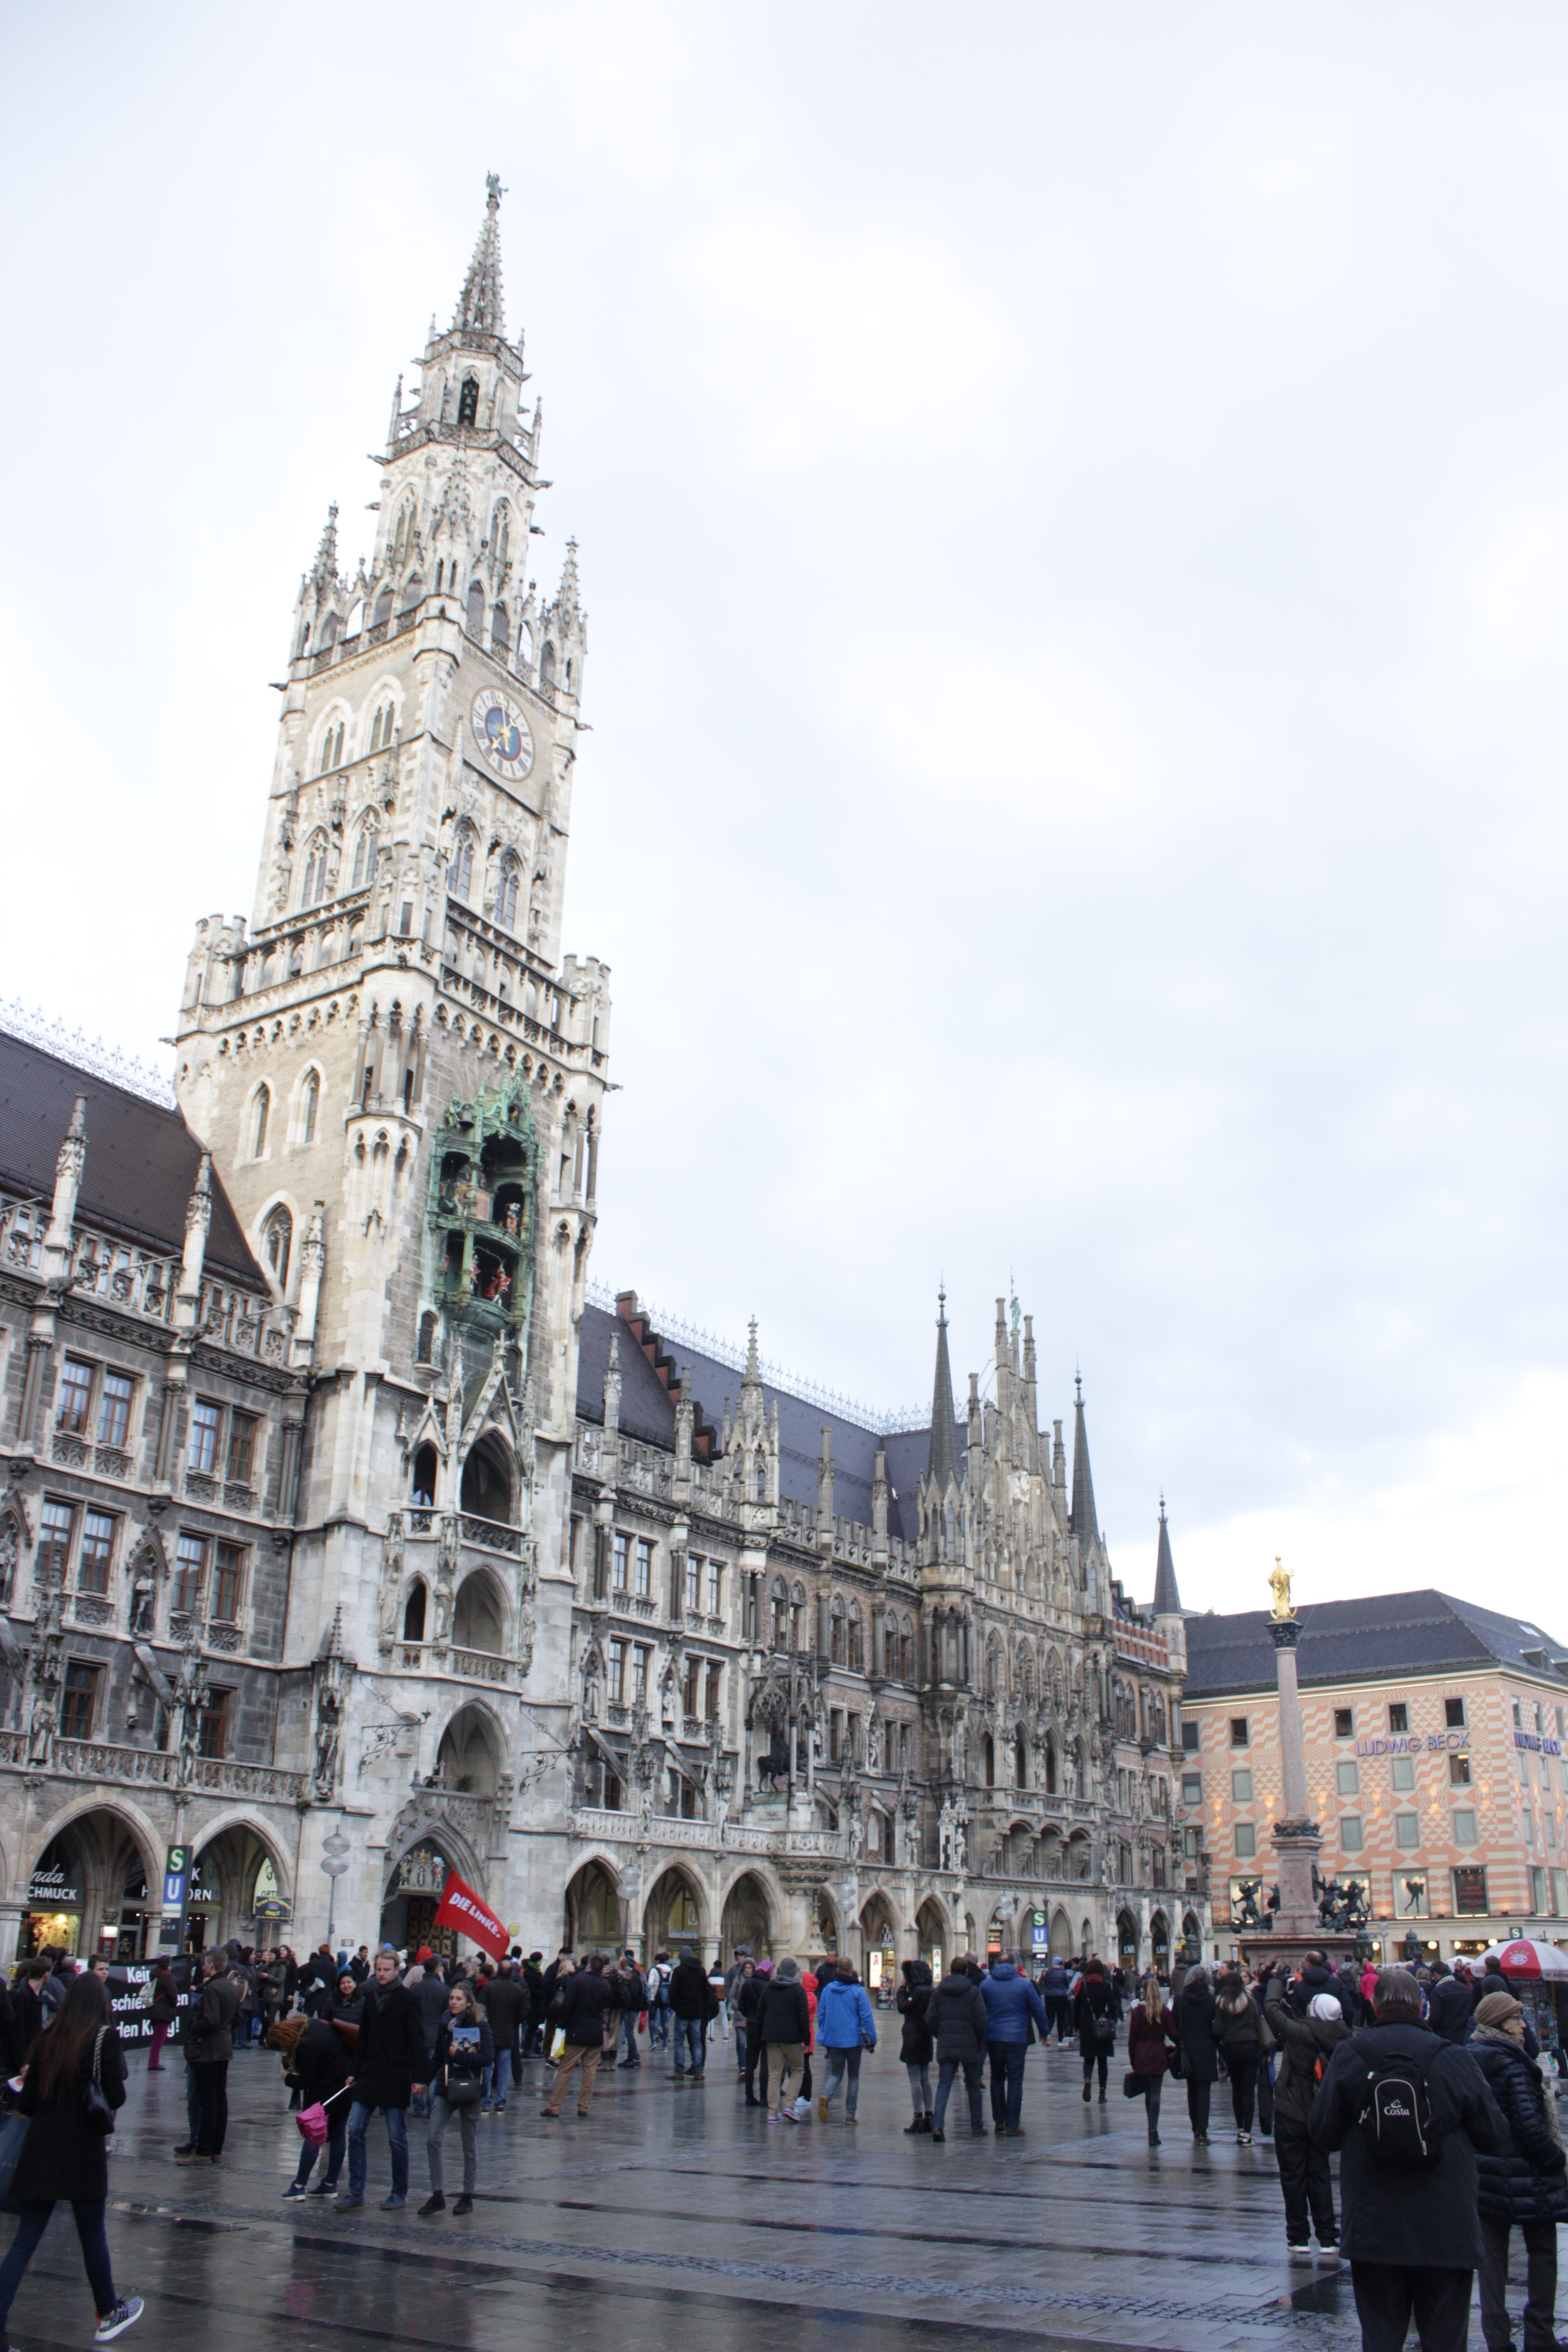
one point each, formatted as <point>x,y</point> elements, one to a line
<point>1470,1891</point>
<point>79,1701</point>
<point>1411,1899</point>
<point>76,1396</point>
<point>97,1552</point>
<point>114,1408</point>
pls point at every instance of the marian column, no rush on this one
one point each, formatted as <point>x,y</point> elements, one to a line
<point>1295,1927</point>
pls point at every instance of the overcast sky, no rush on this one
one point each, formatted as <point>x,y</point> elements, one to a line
<point>1073,505</point>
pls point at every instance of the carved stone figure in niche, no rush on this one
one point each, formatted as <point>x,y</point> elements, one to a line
<point>10,1552</point>
<point>527,1630</point>
<point>41,1728</point>
<point>143,1595</point>
<point>328,1725</point>
<point>391,1576</point>
<point>946,1824</point>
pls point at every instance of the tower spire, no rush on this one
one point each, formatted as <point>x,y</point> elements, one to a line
<point>1167,1600</point>
<point>1085,1525</point>
<point>943,1463</point>
<point>325,571</point>
<point>479,308</point>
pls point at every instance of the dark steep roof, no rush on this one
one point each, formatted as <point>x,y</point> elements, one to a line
<point>943,1455</point>
<point>1085,1525</point>
<point>1363,1639</point>
<point>140,1165</point>
<point>648,1411</point>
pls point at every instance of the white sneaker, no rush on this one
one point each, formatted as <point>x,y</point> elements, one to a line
<point>115,2322</point>
<point>802,2109</point>
<point>1299,2253</point>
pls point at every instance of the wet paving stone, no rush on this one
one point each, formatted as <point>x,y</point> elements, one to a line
<point>674,2215</point>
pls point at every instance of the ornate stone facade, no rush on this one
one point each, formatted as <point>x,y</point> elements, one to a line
<point>515,1601</point>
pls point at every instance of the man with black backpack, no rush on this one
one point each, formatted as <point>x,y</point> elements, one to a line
<point>1407,2111</point>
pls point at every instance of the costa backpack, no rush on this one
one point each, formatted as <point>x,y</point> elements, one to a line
<point>1396,2118</point>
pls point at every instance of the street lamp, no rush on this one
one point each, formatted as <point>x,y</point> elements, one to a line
<point>334,1862</point>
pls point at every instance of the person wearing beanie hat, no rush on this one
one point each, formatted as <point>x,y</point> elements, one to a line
<point>1525,2181</point>
<point>784,2022</point>
<point>1411,2229</point>
<point>1306,2045</point>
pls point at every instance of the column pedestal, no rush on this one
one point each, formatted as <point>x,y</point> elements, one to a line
<point>1292,1931</point>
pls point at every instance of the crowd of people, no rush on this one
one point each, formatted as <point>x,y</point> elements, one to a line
<point>1428,2084</point>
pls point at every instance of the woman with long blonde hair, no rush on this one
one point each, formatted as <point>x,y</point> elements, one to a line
<point>1151,2037</point>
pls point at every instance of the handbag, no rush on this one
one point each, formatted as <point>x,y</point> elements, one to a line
<point>460,2090</point>
<point>97,2113</point>
<point>12,2133</point>
<point>1134,2087</point>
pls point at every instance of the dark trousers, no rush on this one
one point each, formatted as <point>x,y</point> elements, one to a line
<point>1100,2058</point>
<point>1540,2283</point>
<point>337,2137</point>
<point>1006,2083</point>
<point>1305,2183</point>
<point>1157,2083</point>
<point>1388,2296</point>
<point>1058,2007</point>
<point>1265,2096</point>
<point>212,2090</point>
<point>35,2221</point>
<point>756,2057</point>
<point>946,2074</point>
<point>1198,2106</point>
<point>1243,2074</point>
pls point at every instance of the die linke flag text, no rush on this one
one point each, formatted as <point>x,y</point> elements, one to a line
<point>461,1907</point>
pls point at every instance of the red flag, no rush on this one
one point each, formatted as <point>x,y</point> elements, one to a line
<point>461,1907</point>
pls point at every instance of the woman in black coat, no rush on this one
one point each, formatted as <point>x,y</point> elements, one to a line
<point>919,2044</point>
<point>1199,2049</point>
<point>63,2155</point>
<point>1524,2181</point>
<point>318,2069</point>
<point>1094,2015</point>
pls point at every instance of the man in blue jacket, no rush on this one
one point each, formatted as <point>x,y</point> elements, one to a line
<point>845,2026</point>
<point>1011,2003</point>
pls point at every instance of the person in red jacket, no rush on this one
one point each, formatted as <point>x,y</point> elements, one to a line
<point>1150,2038</point>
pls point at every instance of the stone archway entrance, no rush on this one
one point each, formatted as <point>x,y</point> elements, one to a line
<point>745,1919</point>
<point>231,1873</point>
<point>1061,1935</point>
<point>1127,1941</point>
<point>879,1944</point>
<point>931,1935</point>
<point>592,1912</point>
<point>673,1916</point>
<point>80,1889</point>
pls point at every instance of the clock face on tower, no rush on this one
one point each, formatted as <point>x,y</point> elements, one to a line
<point>502,731</point>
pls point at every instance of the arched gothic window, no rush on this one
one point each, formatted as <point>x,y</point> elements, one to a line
<point>315,883</point>
<point>426,1337</point>
<point>309,1103</point>
<point>333,748</point>
<point>376,728</point>
<point>327,634</point>
<point>500,632</point>
<point>413,590</point>
<point>500,532</point>
<point>403,544</point>
<point>475,608</point>
<point>857,1642</point>
<point>382,613</point>
<point>364,854</point>
<point>506,897</point>
<point>835,1650</point>
<point>547,665</point>
<point>262,1111</point>
<point>277,1241</point>
<point>469,401</point>
<point>463,864</point>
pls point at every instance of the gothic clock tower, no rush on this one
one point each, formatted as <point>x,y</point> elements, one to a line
<point>402,1082</point>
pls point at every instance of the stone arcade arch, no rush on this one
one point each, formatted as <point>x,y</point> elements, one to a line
<point>1061,1935</point>
<point>228,1859</point>
<point>675,1912</point>
<point>748,1919</point>
<point>933,1934</point>
<point>879,1942</point>
<point>469,1758</point>
<point>76,1882</point>
<point>593,1908</point>
<point>1128,1940</point>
